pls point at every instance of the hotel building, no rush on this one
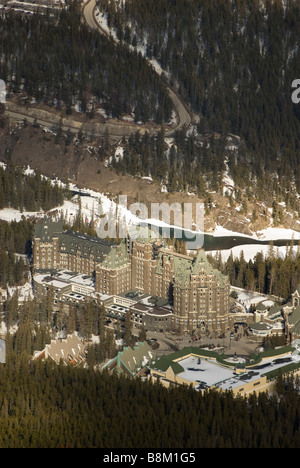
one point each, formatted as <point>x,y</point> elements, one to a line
<point>197,293</point>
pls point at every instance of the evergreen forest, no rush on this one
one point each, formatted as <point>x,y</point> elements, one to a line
<point>266,274</point>
<point>233,62</point>
<point>33,322</point>
<point>58,61</point>
<point>45,405</point>
<point>29,192</point>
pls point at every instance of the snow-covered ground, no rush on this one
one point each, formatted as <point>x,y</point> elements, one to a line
<point>248,298</point>
<point>10,214</point>
<point>265,234</point>
<point>95,205</point>
<point>98,207</point>
<point>277,233</point>
<point>250,250</point>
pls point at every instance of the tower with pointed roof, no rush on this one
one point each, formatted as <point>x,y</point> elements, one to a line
<point>198,293</point>
<point>296,297</point>
<point>113,275</point>
<point>201,298</point>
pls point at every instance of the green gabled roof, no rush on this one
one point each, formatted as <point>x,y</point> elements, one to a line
<point>260,326</point>
<point>130,360</point>
<point>137,357</point>
<point>182,271</point>
<point>294,317</point>
<point>177,368</point>
<point>296,328</point>
<point>261,306</point>
<point>116,258</point>
<point>200,262</point>
<point>163,363</point>
<point>185,267</point>
<point>275,309</point>
<point>46,229</point>
<point>182,267</point>
<point>168,360</point>
<point>73,241</point>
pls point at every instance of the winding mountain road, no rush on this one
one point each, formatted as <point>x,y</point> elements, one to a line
<point>183,115</point>
<point>115,129</point>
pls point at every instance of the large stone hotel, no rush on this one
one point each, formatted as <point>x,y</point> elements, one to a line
<point>197,294</point>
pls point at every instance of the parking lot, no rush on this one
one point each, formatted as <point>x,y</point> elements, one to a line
<point>230,346</point>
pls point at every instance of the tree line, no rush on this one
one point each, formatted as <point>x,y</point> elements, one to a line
<point>15,247</point>
<point>45,405</point>
<point>33,322</point>
<point>25,192</point>
<point>57,60</point>
<point>28,191</point>
<point>234,63</point>
<point>190,163</point>
<point>146,155</point>
<point>267,274</point>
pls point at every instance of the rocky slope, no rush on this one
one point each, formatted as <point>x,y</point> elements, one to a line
<point>66,157</point>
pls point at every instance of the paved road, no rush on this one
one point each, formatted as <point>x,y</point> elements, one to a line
<point>115,129</point>
<point>88,13</point>
<point>184,117</point>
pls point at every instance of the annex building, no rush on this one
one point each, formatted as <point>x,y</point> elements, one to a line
<point>131,361</point>
<point>279,319</point>
<point>203,369</point>
<point>197,293</point>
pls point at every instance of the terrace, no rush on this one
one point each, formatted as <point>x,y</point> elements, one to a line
<point>205,369</point>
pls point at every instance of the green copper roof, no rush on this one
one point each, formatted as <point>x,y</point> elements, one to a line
<point>185,267</point>
<point>166,361</point>
<point>116,258</point>
<point>182,271</point>
<point>133,359</point>
<point>72,242</point>
<point>47,229</point>
<point>294,317</point>
<point>201,262</point>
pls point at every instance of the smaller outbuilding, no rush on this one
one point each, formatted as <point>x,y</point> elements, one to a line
<point>203,369</point>
<point>132,361</point>
<point>70,350</point>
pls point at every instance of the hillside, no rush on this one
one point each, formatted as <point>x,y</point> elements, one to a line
<point>240,152</point>
<point>45,405</point>
<point>89,164</point>
<point>59,62</point>
<point>233,63</point>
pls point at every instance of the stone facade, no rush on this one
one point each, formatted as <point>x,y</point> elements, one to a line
<point>55,249</point>
<point>199,294</point>
<point>113,275</point>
